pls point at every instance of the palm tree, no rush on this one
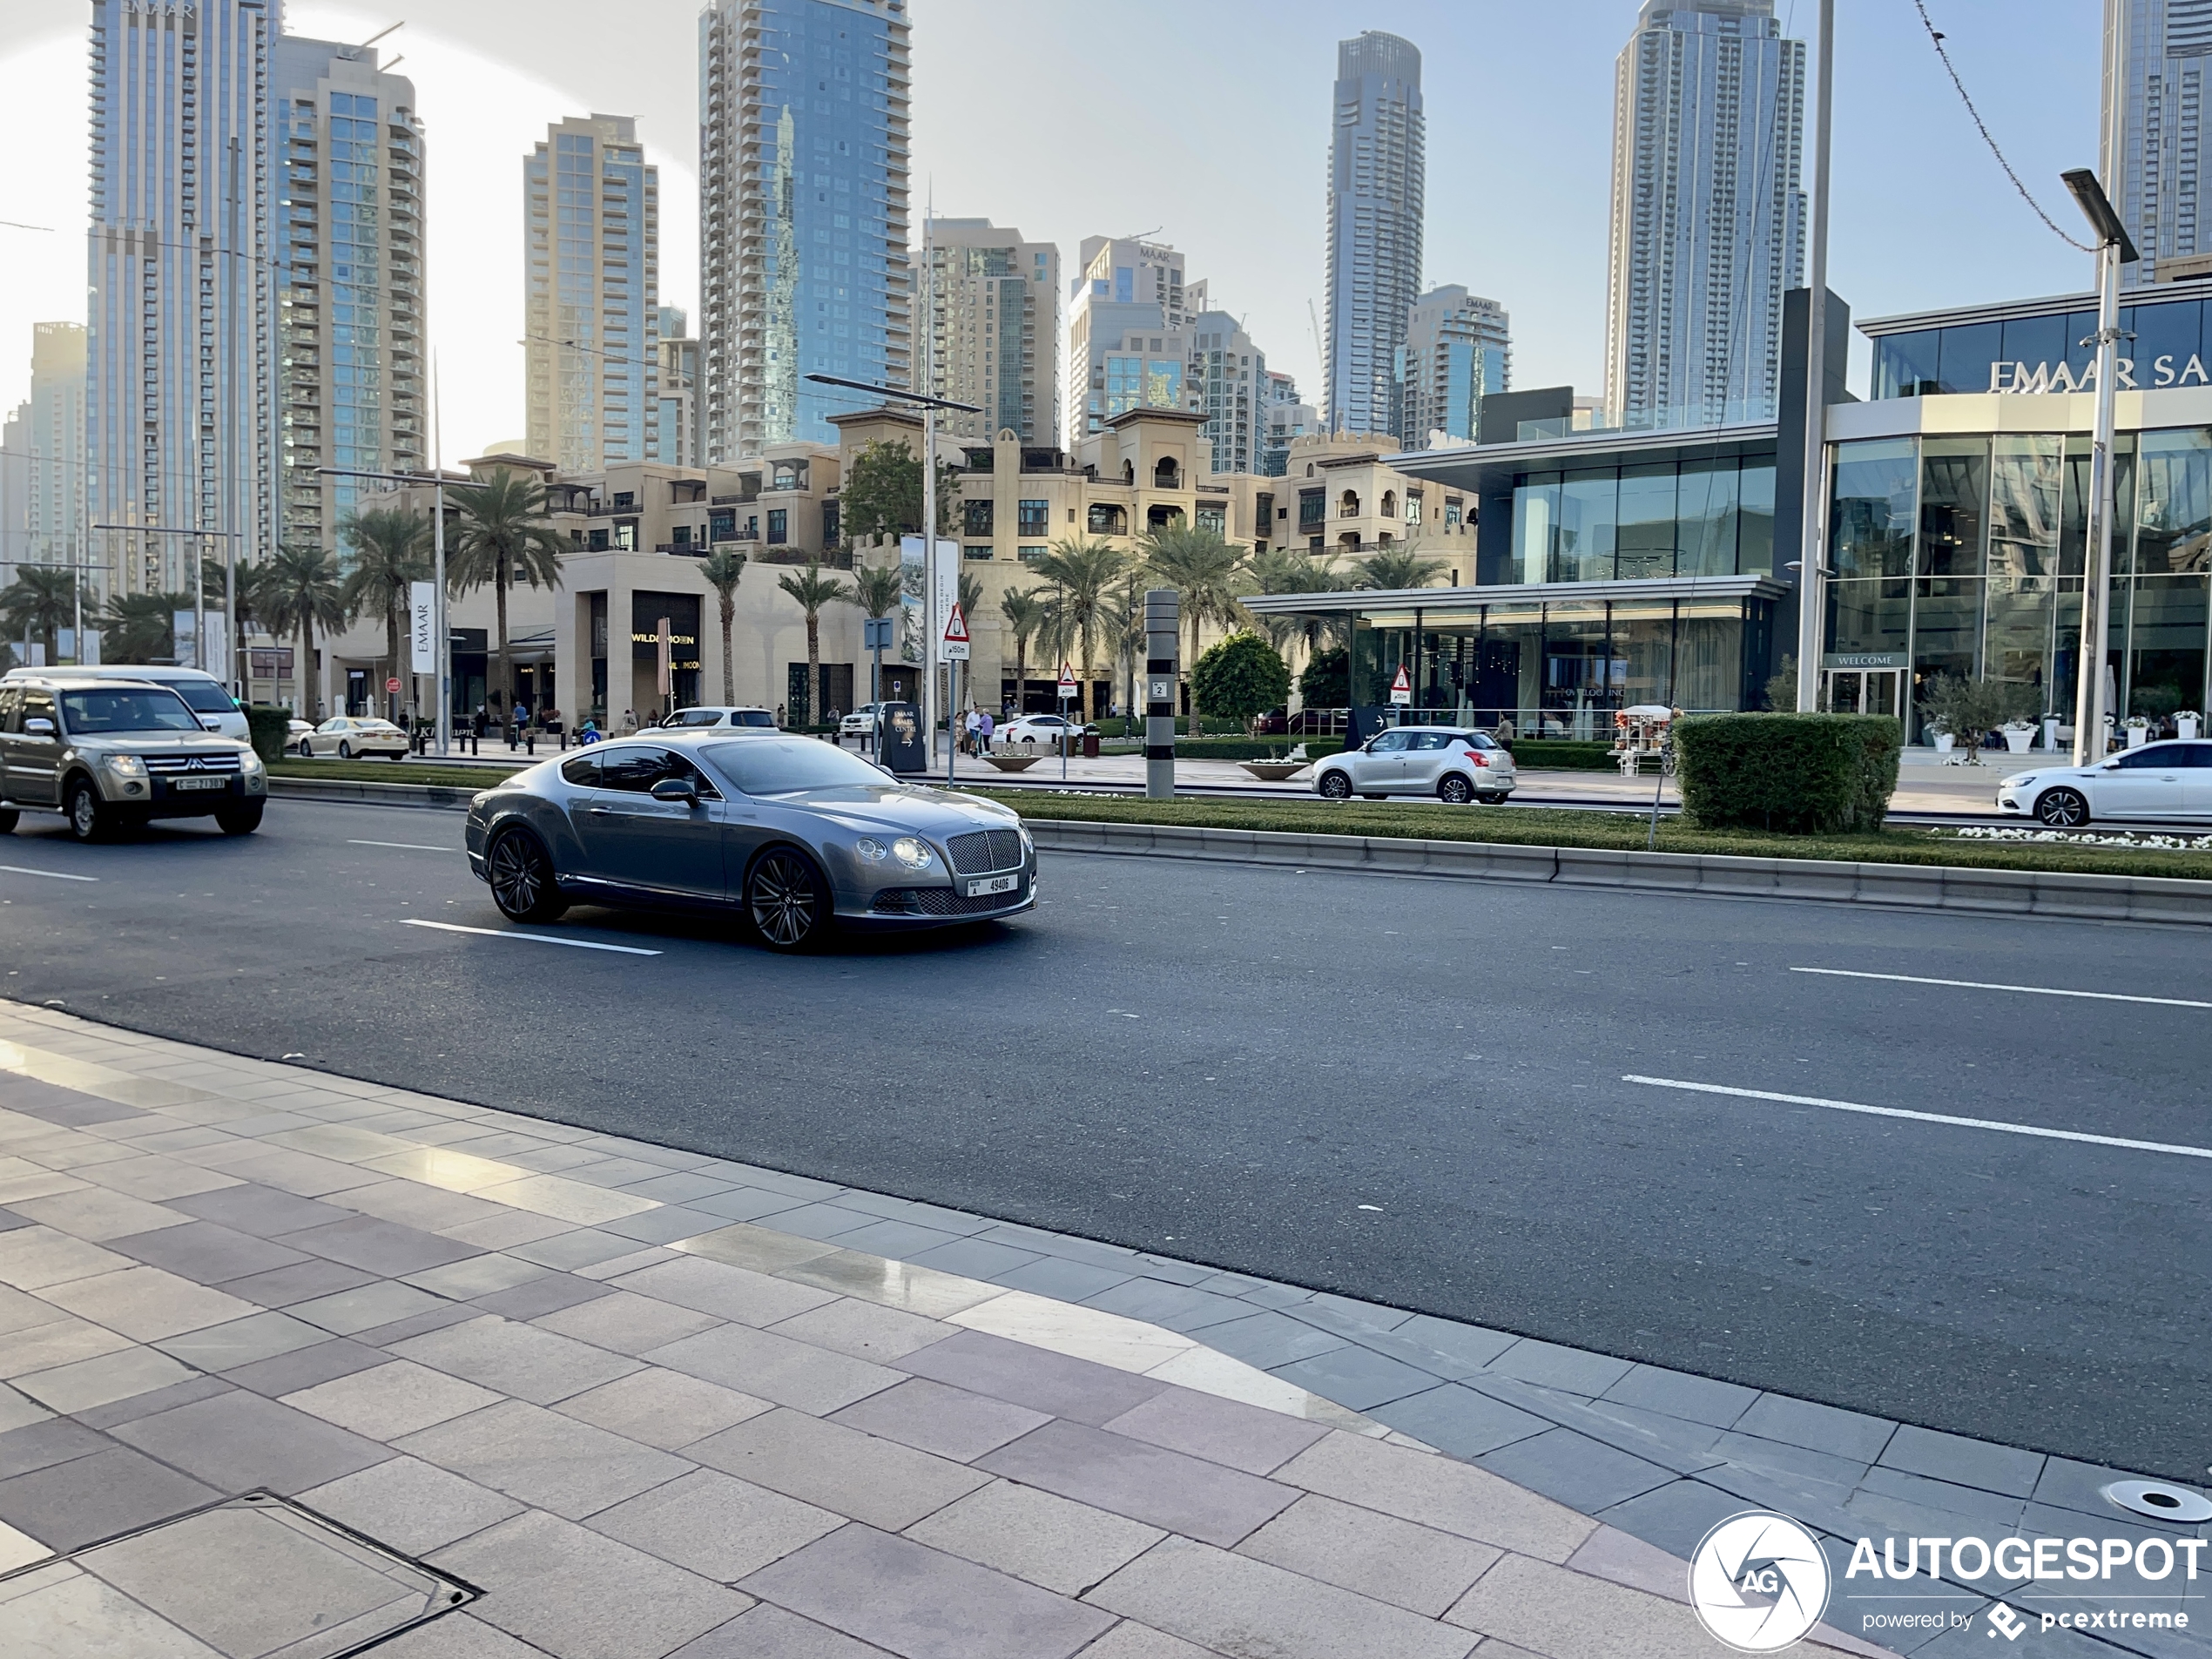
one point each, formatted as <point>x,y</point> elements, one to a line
<point>813,591</point>
<point>1024,614</point>
<point>1208,575</point>
<point>879,590</point>
<point>390,545</point>
<point>215,590</point>
<point>138,627</point>
<point>1291,570</point>
<point>44,600</point>
<point>504,533</point>
<point>1083,569</point>
<point>722,568</point>
<point>1399,567</point>
<point>301,590</point>
<point>1124,621</point>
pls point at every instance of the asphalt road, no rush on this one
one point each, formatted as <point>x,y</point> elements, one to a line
<point>1231,1065</point>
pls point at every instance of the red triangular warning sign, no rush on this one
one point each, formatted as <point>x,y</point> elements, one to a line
<point>956,627</point>
<point>1403,682</point>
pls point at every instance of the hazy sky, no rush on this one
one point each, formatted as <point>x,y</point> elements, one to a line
<point>1202,121</point>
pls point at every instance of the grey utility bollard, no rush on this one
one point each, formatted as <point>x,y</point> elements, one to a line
<point>1163,632</point>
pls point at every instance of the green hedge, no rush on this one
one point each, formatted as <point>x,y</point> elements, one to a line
<point>1798,774</point>
<point>269,730</point>
<point>1545,754</point>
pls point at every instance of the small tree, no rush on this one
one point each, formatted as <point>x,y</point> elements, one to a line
<point>881,492</point>
<point>1782,687</point>
<point>813,591</point>
<point>1327,683</point>
<point>1024,614</point>
<point>723,569</point>
<point>1242,677</point>
<point>1971,709</point>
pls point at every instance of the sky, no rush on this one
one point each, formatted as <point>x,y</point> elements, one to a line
<point>1201,123</point>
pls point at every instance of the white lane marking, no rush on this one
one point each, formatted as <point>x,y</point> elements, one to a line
<point>535,939</point>
<point>2025,990</point>
<point>412,846</point>
<point>1999,1126</point>
<point>24,869</point>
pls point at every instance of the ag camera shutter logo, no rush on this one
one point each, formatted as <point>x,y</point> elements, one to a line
<point>1758,1581</point>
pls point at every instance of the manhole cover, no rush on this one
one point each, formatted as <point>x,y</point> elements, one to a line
<point>252,1577</point>
<point>2160,1501</point>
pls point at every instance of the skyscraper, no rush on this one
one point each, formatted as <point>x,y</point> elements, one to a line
<point>1377,167</point>
<point>181,399</point>
<point>1128,312</point>
<point>803,153</point>
<point>1458,350</point>
<point>1708,221</point>
<point>1228,381</point>
<point>993,323</point>
<point>591,299</point>
<point>680,387</point>
<point>2165,49</point>
<point>353,386</point>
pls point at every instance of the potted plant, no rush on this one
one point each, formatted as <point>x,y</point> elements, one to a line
<point>2018,735</point>
<point>2137,727</point>
<point>1944,738</point>
<point>2188,723</point>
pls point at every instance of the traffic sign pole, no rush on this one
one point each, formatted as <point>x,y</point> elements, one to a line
<point>1069,690</point>
<point>955,648</point>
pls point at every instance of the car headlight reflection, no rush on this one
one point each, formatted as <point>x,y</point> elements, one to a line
<point>870,851</point>
<point>911,853</point>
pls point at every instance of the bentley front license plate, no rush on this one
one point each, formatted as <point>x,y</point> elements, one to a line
<point>993,884</point>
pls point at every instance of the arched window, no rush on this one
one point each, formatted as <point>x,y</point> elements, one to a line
<point>1349,507</point>
<point>1163,475</point>
<point>1389,503</point>
<point>1129,472</point>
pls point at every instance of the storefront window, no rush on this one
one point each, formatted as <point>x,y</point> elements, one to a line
<point>1754,519</point>
<point>1646,530</point>
<point>1579,673</point>
<point>2018,645</point>
<point>1905,365</point>
<point>1708,657</point>
<point>1870,614</point>
<point>1706,498</point>
<point>2173,504</point>
<point>1870,519</point>
<point>2166,645</point>
<point>1954,490</point>
<point>1536,524</point>
<point>1587,507</point>
<point>1965,354</point>
<point>2024,490</point>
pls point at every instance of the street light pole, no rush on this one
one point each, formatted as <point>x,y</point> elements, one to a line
<point>2114,249</point>
<point>199,585</point>
<point>1812,497</point>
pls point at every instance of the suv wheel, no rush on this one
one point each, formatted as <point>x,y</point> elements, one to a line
<point>8,817</point>
<point>241,819</point>
<point>87,817</point>
<point>787,900</point>
<point>522,879</point>
<point>1454,790</point>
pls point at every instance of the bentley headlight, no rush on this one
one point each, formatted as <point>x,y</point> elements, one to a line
<point>870,851</point>
<point>913,853</point>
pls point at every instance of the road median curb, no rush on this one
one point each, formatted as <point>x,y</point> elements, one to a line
<point>451,797</point>
<point>2097,898</point>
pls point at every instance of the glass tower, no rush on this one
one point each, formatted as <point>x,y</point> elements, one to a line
<point>1708,221</point>
<point>591,307</point>
<point>1458,350</point>
<point>993,327</point>
<point>181,399</point>
<point>1377,162</point>
<point>803,163</point>
<point>2165,49</point>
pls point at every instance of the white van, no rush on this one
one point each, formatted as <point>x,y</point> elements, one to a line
<point>203,693</point>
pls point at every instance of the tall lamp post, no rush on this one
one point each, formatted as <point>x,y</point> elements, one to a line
<point>437,482</point>
<point>1812,497</point>
<point>2114,249</point>
<point>932,624</point>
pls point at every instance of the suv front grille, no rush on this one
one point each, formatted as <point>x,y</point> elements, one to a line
<point>985,850</point>
<point>171,766</point>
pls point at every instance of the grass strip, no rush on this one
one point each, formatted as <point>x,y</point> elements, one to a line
<point>1537,827</point>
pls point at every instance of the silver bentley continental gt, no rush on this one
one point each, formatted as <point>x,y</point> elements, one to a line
<point>797,835</point>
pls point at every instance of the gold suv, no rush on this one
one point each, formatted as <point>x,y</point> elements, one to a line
<point>109,754</point>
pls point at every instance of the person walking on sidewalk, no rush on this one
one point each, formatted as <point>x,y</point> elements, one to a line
<point>984,727</point>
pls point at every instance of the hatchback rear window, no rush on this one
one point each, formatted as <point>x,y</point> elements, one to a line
<point>753,717</point>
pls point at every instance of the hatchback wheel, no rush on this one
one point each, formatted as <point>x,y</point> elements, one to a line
<point>787,900</point>
<point>1455,790</point>
<point>522,879</point>
<point>88,819</point>
<point>1335,787</point>
<point>2063,809</point>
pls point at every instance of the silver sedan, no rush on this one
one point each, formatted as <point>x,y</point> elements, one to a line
<point>800,836</point>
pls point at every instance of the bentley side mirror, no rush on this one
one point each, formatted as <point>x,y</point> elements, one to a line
<point>38,728</point>
<point>677,789</point>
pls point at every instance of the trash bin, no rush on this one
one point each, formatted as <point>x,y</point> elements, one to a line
<point>1090,745</point>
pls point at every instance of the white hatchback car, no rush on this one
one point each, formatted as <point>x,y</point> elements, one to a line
<point>2165,780</point>
<point>712,714</point>
<point>1440,761</point>
<point>350,736</point>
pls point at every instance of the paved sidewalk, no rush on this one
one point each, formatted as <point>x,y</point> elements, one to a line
<point>503,1351</point>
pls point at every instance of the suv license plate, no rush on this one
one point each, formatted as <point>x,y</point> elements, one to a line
<point>993,884</point>
<point>199,783</point>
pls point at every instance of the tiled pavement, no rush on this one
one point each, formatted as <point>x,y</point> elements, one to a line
<point>654,1403</point>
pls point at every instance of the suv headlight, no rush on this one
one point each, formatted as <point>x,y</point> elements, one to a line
<point>249,763</point>
<point>124,766</point>
<point>914,854</point>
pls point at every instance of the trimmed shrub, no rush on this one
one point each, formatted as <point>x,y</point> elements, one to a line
<point>269,730</point>
<point>1242,677</point>
<point>1799,774</point>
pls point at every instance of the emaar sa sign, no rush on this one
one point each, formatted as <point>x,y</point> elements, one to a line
<point>2168,369</point>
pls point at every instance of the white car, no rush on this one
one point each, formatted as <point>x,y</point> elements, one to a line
<point>717,715</point>
<point>2171,780</point>
<point>1440,761</point>
<point>1037,728</point>
<point>204,695</point>
<point>350,736</point>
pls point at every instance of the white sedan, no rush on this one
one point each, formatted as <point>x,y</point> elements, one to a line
<point>347,736</point>
<point>1037,728</point>
<point>2158,780</point>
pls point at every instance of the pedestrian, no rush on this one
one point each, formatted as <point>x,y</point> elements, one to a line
<point>780,714</point>
<point>629,723</point>
<point>985,725</point>
<point>590,734</point>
